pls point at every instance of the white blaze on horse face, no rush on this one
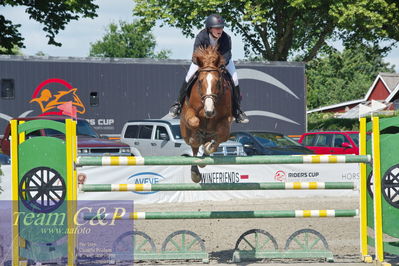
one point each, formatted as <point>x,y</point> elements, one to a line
<point>208,105</point>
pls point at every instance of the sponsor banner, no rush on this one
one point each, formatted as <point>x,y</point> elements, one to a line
<point>210,174</point>
<point>281,173</point>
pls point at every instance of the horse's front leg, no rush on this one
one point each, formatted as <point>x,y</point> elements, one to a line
<point>195,173</point>
<point>193,122</point>
<point>210,147</point>
<point>222,135</point>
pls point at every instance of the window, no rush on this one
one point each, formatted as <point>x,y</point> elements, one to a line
<point>244,140</point>
<point>94,99</point>
<point>308,140</point>
<point>52,132</point>
<point>396,104</point>
<point>355,138</point>
<point>176,131</point>
<point>145,132</point>
<point>85,129</point>
<point>161,131</point>
<point>132,132</point>
<point>32,134</point>
<point>324,140</point>
<point>268,142</point>
<point>339,139</point>
<point>233,138</point>
<point>7,89</point>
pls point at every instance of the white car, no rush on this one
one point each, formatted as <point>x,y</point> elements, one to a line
<point>151,137</point>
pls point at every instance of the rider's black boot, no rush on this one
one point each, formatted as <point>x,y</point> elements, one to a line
<point>175,109</point>
<point>239,115</point>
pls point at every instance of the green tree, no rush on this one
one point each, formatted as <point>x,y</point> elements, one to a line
<point>53,14</point>
<point>14,51</point>
<point>128,40</point>
<point>40,53</point>
<point>343,76</point>
<point>278,29</point>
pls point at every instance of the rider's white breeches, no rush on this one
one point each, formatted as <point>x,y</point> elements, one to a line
<point>231,68</point>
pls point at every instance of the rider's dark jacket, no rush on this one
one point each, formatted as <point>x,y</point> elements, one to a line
<point>224,43</point>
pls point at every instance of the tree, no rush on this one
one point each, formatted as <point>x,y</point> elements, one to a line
<point>53,14</point>
<point>343,76</point>
<point>129,40</point>
<point>40,53</point>
<point>278,29</point>
<point>14,51</point>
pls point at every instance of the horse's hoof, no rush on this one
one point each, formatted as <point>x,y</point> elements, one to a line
<point>195,174</point>
<point>208,148</point>
<point>201,165</point>
<point>196,177</point>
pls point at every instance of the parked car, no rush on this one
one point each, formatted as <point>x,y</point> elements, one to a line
<point>4,159</point>
<point>89,142</point>
<point>152,137</point>
<point>268,143</point>
<point>331,142</point>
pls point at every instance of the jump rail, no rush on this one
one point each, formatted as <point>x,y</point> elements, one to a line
<point>221,214</point>
<point>222,160</point>
<point>238,186</point>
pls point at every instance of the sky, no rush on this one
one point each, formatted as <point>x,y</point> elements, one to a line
<point>78,35</point>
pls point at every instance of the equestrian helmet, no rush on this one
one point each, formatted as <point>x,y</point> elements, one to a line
<point>214,21</point>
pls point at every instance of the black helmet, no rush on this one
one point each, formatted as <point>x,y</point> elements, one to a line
<point>214,21</point>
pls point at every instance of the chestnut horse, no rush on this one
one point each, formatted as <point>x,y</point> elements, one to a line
<point>206,114</point>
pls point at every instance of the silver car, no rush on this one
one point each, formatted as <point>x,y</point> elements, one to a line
<point>152,137</point>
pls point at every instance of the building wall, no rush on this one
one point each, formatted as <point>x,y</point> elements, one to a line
<point>380,92</point>
<point>341,109</point>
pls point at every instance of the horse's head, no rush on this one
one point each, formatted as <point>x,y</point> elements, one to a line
<point>210,78</point>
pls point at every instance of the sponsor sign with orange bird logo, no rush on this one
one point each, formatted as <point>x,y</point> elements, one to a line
<point>58,102</point>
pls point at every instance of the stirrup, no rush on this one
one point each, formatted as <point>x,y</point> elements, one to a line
<point>175,110</point>
<point>242,118</point>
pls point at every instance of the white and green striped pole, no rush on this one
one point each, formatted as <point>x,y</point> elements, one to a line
<point>221,215</point>
<point>227,186</point>
<point>220,160</point>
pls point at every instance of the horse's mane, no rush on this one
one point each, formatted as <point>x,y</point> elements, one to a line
<point>208,57</point>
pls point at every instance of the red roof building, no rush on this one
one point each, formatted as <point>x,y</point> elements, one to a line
<point>384,89</point>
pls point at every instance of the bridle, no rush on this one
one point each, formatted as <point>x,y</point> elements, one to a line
<point>211,96</point>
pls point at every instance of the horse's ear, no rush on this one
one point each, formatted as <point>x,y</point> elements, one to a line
<point>221,61</point>
<point>198,58</point>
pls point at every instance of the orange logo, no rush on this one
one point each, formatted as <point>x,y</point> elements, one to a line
<point>49,101</point>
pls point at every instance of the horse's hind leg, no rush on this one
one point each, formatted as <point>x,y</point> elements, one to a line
<point>195,173</point>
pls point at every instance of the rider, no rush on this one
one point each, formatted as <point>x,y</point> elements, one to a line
<point>213,34</point>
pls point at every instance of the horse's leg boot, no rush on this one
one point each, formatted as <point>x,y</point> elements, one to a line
<point>175,109</point>
<point>238,114</point>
